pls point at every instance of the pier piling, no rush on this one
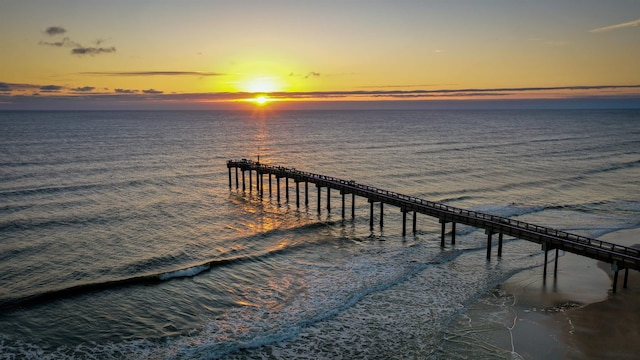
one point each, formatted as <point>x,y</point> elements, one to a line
<point>371,215</point>
<point>404,222</point>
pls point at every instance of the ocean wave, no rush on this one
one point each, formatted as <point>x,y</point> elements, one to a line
<point>188,272</point>
<point>153,278</point>
<point>232,257</point>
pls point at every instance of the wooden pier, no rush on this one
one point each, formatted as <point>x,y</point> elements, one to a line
<point>620,257</point>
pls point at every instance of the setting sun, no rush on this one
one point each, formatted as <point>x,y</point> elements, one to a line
<point>261,100</point>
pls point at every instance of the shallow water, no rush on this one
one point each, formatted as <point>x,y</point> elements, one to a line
<point>124,228</point>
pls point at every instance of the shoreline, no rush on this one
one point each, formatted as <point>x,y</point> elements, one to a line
<point>576,315</point>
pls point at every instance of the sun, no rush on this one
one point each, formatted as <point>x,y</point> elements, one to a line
<point>261,100</point>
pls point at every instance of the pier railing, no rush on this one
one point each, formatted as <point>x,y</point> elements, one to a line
<point>621,257</point>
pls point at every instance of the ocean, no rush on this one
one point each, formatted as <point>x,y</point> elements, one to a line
<point>120,237</point>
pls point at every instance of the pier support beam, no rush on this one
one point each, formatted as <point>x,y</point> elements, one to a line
<point>269,185</point>
<point>250,182</point>
<point>353,206</point>
<point>298,194</point>
<point>626,277</point>
<point>443,231</point>
<point>230,185</point>
<point>555,265</point>
<point>414,222</point>
<point>404,222</point>
<point>328,199</point>
<point>243,187</point>
<point>319,193</point>
<point>381,214</point>
<point>615,269</point>
<point>453,233</point>
<point>278,188</point>
<point>500,245</point>
<point>489,235</point>
<point>306,194</point>
<point>545,248</point>
<point>236,178</point>
<point>371,215</point>
<point>286,188</point>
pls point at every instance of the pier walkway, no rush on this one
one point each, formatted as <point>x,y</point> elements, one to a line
<point>620,257</point>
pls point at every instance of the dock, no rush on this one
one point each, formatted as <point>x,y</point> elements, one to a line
<point>620,257</point>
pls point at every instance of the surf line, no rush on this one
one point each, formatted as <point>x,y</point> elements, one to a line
<point>620,257</point>
<point>156,278</point>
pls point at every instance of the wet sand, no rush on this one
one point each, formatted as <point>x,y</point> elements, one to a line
<point>575,315</point>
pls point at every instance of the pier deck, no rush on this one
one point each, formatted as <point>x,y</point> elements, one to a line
<point>620,257</point>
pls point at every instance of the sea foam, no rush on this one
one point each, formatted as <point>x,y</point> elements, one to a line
<point>192,271</point>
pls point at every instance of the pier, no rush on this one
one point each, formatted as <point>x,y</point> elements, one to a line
<point>620,257</point>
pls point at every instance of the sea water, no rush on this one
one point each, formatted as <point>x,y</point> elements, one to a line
<point>120,236</point>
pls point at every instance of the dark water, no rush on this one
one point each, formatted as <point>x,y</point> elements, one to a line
<point>120,237</point>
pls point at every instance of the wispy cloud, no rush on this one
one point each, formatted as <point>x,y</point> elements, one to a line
<point>55,30</point>
<point>152,91</point>
<point>633,23</point>
<point>152,73</point>
<point>84,89</point>
<point>125,91</point>
<point>86,96</point>
<point>7,87</point>
<point>81,50</point>
<point>51,88</point>
<point>397,86</point>
<point>66,42</point>
<point>76,47</point>
<point>305,76</point>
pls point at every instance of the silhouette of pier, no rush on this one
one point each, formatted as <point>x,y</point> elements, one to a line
<point>620,257</point>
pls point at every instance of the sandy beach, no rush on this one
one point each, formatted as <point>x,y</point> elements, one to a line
<point>576,315</point>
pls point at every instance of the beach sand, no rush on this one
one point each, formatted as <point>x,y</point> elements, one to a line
<point>576,315</point>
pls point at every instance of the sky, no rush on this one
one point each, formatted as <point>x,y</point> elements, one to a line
<point>192,54</point>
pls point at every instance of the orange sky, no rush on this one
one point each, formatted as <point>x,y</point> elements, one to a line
<point>209,53</point>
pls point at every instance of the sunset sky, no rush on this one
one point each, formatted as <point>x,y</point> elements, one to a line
<point>217,54</point>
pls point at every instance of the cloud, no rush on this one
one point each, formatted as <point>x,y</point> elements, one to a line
<point>633,23</point>
<point>51,88</point>
<point>152,91</point>
<point>125,91</point>
<point>66,42</point>
<point>84,89</point>
<point>152,73</point>
<point>306,76</point>
<point>6,87</point>
<point>55,30</point>
<point>76,47</point>
<point>92,50</point>
<point>466,92</point>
